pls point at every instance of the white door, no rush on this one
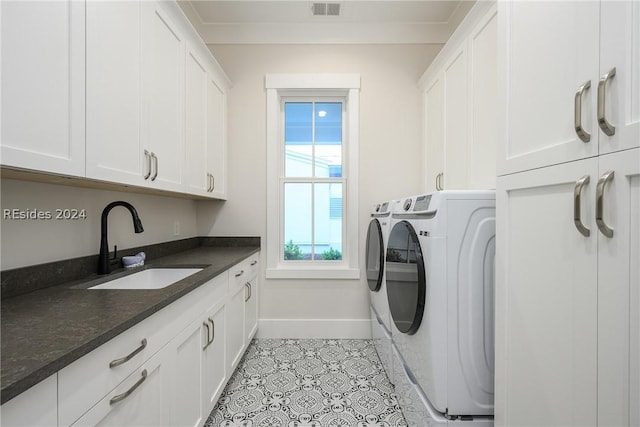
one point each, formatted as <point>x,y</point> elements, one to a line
<point>456,138</point>
<point>550,50</point>
<point>186,369</point>
<point>196,125</point>
<point>216,137</point>
<point>214,368</point>
<point>620,48</point>
<point>251,310</point>
<point>483,99</point>
<point>113,93</point>
<point>163,87</point>
<point>434,133</point>
<point>235,328</point>
<point>140,400</point>
<point>43,86</point>
<point>619,290</point>
<point>546,298</point>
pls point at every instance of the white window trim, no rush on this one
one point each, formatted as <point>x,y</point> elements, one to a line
<point>277,86</point>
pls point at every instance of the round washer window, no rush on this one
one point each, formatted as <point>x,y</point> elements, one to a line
<point>406,284</point>
<point>374,255</point>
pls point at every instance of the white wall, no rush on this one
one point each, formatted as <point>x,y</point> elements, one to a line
<point>390,162</point>
<point>29,242</point>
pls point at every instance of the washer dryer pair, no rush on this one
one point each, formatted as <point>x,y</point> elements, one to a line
<point>376,246</point>
<point>440,280</point>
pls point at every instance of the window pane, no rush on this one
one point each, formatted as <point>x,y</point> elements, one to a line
<point>297,221</point>
<point>298,125</point>
<point>328,139</point>
<point>328,221</point>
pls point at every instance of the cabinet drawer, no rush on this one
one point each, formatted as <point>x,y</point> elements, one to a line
<point>88,379</point>
<point>244,271</point>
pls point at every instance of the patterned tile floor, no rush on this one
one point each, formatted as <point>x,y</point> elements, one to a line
<point>310,383</point>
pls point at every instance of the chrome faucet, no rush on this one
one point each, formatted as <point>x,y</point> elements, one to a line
<point>104,263</point>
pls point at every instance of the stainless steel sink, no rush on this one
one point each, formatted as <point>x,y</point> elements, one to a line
<point>151,278</point>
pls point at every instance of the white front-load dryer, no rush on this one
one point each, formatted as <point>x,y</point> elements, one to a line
<point>376,245</point>
<point>439,277</point>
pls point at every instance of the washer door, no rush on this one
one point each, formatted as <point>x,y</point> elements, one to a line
<point>375,255</point>
<point>406,284</point>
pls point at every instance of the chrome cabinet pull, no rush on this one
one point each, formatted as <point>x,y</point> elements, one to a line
<point>439,181</point>
<point>577,217</point>
<point>604,124</point>
<point>148,156</point>
<point>240,274</point>
<point>122,360</point>
<point>127,393</point>
<point>213,330</point>
<point>577,111</point>
<point>248,293</point>
<point>254,263</point>
<point>155,162</point>
<point>602,226</point>
<point>213,182</point>
<point>206,325</point>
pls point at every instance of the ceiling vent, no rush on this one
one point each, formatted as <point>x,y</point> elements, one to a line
<point>326,9</point>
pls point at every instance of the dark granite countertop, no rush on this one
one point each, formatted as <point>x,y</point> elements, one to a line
<point>46,330</point>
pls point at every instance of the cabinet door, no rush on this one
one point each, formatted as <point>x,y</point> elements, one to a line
<point>251,310</point>
<point>214,367</point>
<point>483,103</point>
<point>550,49</point>
<point>43,80</point>
<point>37,406</point>
<point>216,137</point>
<point>619,292</point>
<point>196,125</point>
<point>113,93</point>
<point>235,328</point>
<point>163,89</point>
<point>186,366</point>
<point>620,48</point>
<point>456,146</point>
<point>434,132</point>
<point>546,298</point>
<point>140,400</point>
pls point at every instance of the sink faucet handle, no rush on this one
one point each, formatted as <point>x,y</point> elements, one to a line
<point>115,251</point>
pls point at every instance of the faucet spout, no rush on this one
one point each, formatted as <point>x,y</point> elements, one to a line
<point>104,265</point>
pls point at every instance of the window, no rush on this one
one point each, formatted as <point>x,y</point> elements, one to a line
<point>312,140</point>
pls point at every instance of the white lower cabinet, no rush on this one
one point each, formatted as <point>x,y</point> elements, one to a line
<point>235,327</point>
<point>213,357</point>
<point>168,370</point>
<point>186,364</point>
<point>568,294</point>
<point>37,406</point>
<point>140,400</point>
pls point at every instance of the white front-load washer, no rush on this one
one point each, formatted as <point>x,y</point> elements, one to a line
<point>439,278</point>
<point>376,246</point>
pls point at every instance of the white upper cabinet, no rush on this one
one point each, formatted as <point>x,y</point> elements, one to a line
<point>456,146</point>
<point>562,100</point>
<point>460,102</point>
<point>155,97</point>
<point>113,93</point>
<point>434,133</point>
<point>43,86</point>
<point>163,53</point>
<point>197,178</point>
<point>205,129</point>
<point>217,138</point>
<point>620,49</point>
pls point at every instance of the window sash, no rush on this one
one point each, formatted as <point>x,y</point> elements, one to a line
<point>312,180</point>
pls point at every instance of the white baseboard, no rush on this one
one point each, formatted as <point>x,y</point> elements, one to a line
<point>314,328</point>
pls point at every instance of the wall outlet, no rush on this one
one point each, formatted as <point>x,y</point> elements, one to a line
<point>176,228</point>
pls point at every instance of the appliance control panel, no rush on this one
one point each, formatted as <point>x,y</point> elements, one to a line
<point>422,203</point>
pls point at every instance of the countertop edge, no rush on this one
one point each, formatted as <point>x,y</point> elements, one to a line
<point>21,385</point>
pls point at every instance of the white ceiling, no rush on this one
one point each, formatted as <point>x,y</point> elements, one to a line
<point>292,21</point>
